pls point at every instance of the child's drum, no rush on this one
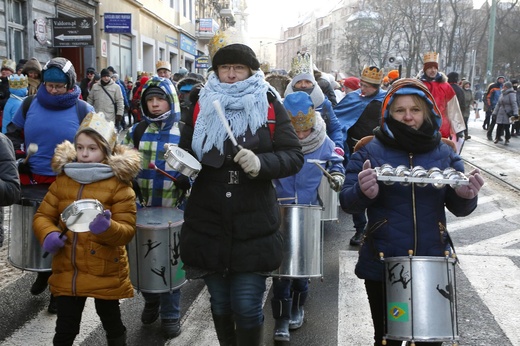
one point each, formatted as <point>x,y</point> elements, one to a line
<point>303,244</point>
<point>24,250</point>
<point>153,254</point>
<point>421,301</point>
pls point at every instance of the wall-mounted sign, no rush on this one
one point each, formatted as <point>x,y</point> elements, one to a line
<point>40,30</point>
<point>188,45</point>
<point>208,25</point>
<point>171,41</point>
<point>104,48</point>
<point>73,32</point>
<point>202,61</point>
<point>118,23</point>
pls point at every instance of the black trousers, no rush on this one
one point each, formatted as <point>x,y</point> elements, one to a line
<point>70,310</point>
<point>376,299</point>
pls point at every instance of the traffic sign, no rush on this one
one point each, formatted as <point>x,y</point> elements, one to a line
<point>118,23</point>
<point>72,32</point>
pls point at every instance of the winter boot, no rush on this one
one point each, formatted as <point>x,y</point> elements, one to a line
<point>225,328</point>
<point>250,337</point>
<point>150,312</point>
<point>40,284</point>
<point>358,237</point>
<point>297,312</point>
<point>281,314</point>
<point>119,341</point>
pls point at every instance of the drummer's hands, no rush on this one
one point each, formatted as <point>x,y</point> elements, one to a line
<point>249,162</point>
<point>367,179</point>
<point>52,242</point>
<point>101,223</point>
<point>336,181</point>
<point>471,190</point>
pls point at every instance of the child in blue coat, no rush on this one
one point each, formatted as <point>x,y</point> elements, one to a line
<point>289,295</point>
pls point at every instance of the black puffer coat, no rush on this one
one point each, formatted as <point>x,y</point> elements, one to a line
<point>235,227</point>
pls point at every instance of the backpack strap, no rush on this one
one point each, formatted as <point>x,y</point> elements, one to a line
<point>26,104</point>
<point>138,133</point>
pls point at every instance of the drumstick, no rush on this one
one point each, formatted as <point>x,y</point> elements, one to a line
<point>46,253</point>
<point>152,165</point>
<point>224,121</point>
<point>31,149</point>
<point>317,163</point>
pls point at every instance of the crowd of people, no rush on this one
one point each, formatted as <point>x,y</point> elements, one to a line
<point>272,131</point>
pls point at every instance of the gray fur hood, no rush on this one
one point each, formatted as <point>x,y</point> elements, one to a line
<point>125,161</point>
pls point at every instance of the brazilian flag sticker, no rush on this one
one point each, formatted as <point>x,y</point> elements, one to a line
<point>398,312</point>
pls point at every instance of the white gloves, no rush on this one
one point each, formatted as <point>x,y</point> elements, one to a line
<point>475,183</point>
<point>367,179</point>
<point>249,162</point>
<point>336,182</point>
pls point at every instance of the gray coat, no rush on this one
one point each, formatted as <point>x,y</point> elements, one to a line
<point>506,106</point>
<point>9,180</point>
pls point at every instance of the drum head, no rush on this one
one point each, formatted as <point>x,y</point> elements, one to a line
<point>158,217</point>
<point>78,215</point>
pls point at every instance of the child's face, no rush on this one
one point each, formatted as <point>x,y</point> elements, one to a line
<point>157,106</point>
<point>32,74</point>
<point>303,134</point>
<point>88,150</point>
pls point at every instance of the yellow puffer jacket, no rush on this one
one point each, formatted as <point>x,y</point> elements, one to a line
<point>91,265</point>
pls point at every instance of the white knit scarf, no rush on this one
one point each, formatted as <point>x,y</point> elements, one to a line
<point>244,104</point>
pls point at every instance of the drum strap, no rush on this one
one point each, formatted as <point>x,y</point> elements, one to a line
<point>138,193</point>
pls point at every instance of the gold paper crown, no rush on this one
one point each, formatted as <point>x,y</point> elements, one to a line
<point>372,74</point>
<point>302,121</point>
<point>18,81</point>
<point>222,39</point>
<point>9,64</point>
<point>106,129</point>
<point>431,57</point>
<point>302,63</point>
<point>163,64</point>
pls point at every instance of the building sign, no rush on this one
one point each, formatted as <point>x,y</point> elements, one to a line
<point>202,61</point>
<point>188,45</point>
<point>72,32</point>
<point>208,25</point>
<point>172,41</point>
<point>40,30</point>
<point>118,23</point>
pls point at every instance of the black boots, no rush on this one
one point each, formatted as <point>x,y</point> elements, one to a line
<point>250,337</point>
<point>297,312</point>
<point>119,341</point>
<point>225,328</point>
<point>40,284</point>
<point>150,312</point>
<point>282,315</point>
<point>358,237</point>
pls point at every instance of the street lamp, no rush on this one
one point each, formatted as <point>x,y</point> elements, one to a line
<point>440,24</point>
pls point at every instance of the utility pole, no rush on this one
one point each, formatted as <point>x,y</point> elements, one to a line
<point>491,42</point>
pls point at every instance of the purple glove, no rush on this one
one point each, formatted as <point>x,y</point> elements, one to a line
<point>101,223</point>
<point>475,183</point>
<point>52,242</point>
<point>367,179</point>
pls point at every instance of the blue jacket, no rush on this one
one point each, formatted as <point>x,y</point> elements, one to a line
<point>402,218</point>
<point>304,185</point>
<point>333,125</point>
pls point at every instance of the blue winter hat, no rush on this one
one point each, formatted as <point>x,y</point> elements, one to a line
<point>301,110</point>
<point>55,75</point>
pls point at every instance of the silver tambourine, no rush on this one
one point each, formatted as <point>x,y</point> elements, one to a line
<point>181,161</point>
<point>78,215</point>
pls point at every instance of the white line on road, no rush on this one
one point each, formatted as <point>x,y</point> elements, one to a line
<point>496,246</point>
<point>498,289</point>
<point>482,219</point>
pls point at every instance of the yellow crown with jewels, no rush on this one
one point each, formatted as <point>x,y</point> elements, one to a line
<point>431,57</point>
<point>18,81</point>
<point>224,38</point>
<point>97,122</point>
<point>372,75</point>
<point>302,63</point>
<point>163,64</point>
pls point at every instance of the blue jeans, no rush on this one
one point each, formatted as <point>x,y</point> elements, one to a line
<point>239,294</point>
<point>283,287</point>
<point>170,303</point>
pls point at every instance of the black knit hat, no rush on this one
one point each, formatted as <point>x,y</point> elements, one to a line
<point>236,54</point>
<point>154,91</point>
<point>105,73</point>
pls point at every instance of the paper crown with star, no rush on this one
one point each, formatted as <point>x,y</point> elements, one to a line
<point>97,122</point>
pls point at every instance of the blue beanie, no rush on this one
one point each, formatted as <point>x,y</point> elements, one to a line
<point>55,75</point>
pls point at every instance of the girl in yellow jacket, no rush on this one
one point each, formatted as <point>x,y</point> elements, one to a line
<point>93,263</point>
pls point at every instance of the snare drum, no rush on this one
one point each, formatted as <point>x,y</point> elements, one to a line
<point>24,249</point>
<point>421,301</point>
<point>79,214</point>
<point>330,199</point>
<point>301,228</point>
<point>154,253</point>
<point>181,161</point>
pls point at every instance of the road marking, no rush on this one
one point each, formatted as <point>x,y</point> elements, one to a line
<point>479,220</point>
<point>496,246</point>
<point>354,319</point>
<point>497,282</point>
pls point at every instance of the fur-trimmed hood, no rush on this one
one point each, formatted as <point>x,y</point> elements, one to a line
<point>125,161</point>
